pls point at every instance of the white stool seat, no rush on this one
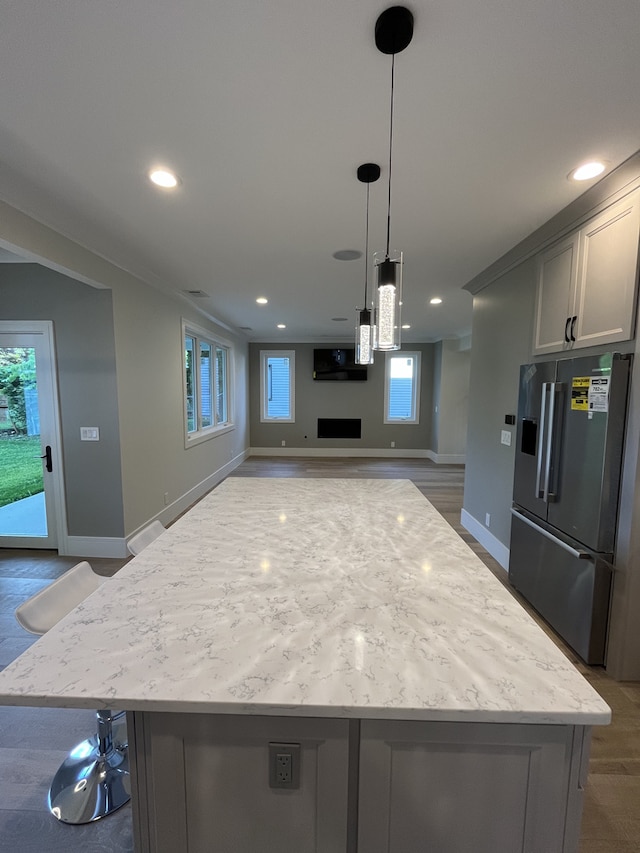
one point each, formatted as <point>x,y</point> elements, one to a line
<point>145,537</point>
<point>46,608</point>
<point>94,780</point>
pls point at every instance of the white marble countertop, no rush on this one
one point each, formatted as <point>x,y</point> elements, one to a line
<point>302,597</point>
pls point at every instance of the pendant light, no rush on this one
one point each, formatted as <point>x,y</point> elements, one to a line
<point>367,173</point>
<point>394,31</point>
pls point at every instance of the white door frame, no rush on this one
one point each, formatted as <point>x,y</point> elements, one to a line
<point>50,419</point>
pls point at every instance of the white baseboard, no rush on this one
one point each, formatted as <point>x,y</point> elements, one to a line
<point>489,542</point>
<point>183,503</point>
<point>361,452</point>
<point>447,458</point>
<point>94,546</point>
<point>97,546</point>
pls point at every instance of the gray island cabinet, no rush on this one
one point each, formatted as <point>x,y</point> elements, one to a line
<point>324,665</point>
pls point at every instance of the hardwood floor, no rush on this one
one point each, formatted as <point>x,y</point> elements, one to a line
<point>34,741</point>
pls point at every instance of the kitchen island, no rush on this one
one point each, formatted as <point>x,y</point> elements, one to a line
<point>344,624</point>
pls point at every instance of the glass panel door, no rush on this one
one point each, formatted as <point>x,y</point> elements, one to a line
<point>30,474</point>
<point>22,500</point>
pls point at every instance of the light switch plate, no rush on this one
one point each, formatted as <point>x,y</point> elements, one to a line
<point>89,433</point>
<point>505,437</point>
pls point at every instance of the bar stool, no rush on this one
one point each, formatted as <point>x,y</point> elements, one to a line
<point>94,780</point>
<point>146,536</point>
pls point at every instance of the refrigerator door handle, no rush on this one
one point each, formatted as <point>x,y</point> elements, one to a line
<point>541,440</point>
<point>579,554</point>
<point>549,440</point>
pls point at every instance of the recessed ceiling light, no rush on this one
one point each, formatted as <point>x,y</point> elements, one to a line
<point>347,255</point>
<point>281,326</point>
<point>163,178</point>
<point>587,171</point>
<point>436,300</point>
<point>262,300</point>
<point>406,326</point>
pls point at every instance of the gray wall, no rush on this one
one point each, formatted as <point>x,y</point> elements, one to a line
<point>453,399</point>
<point>435,402</point>
<point>83,329</point>
<point>363,400</point>
<point>150,364</point>
<point>502,332</point>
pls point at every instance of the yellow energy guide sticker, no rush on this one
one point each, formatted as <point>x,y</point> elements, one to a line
<point>580,393</point>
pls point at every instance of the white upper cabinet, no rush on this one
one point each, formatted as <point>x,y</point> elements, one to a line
<point>587,283</point>
<point>557,279</point>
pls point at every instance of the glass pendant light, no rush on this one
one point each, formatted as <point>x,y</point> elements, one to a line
<point>388,299</point>
<point>367,173</point>
<point>394,31</point>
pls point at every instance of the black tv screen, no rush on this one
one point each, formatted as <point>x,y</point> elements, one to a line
<point>338,365</point>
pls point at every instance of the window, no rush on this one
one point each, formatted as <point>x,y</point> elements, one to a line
<point>206,384</point>
<point>402,388</point>
<point>277,381</point>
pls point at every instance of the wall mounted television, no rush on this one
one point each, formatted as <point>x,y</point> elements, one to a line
<point>338,365</point>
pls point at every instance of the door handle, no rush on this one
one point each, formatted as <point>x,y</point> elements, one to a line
<point>47,455</point>
<point>578,554</point>
<point>549,441</point>
<point>573,326</point>
<point>566,331</point>
<point>541,440</point>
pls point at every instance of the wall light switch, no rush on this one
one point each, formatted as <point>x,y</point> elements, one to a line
<point>505,437</point>
<point>89,434</point>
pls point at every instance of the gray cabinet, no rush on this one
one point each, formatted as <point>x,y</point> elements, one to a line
<point>201,784</point>
<point>586,283</point>
<point>458,787</point>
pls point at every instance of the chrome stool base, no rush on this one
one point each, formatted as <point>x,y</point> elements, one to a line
<point>94,779</point>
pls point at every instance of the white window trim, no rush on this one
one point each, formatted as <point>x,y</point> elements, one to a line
<point>272,353</point>
<point>201,334</point>
<point>416,355</point>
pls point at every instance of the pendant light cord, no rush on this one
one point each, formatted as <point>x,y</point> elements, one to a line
<point>393,63</point>
<point>366,250</point>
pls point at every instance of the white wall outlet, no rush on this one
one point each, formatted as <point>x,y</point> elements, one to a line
<point>284,443</point>
<point>89,434</point>
<point>505,437</point>
<point>393,444</point>
<point>487,519</point>
<point>166,498</point>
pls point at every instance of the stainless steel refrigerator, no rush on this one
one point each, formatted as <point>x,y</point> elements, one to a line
<point>571,419</point>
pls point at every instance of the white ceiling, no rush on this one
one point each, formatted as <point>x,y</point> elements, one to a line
<point>265,109</point>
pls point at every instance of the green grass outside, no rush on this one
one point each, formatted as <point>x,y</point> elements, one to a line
<point>20,468</point>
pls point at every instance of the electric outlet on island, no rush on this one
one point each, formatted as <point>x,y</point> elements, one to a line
<point>284,765</point>
<point>487,519</point>
<point>284,443</point>
<point>283,768</point>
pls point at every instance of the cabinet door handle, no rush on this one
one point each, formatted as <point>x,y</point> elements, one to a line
<point>573,326</point>
<point>566,330</point>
